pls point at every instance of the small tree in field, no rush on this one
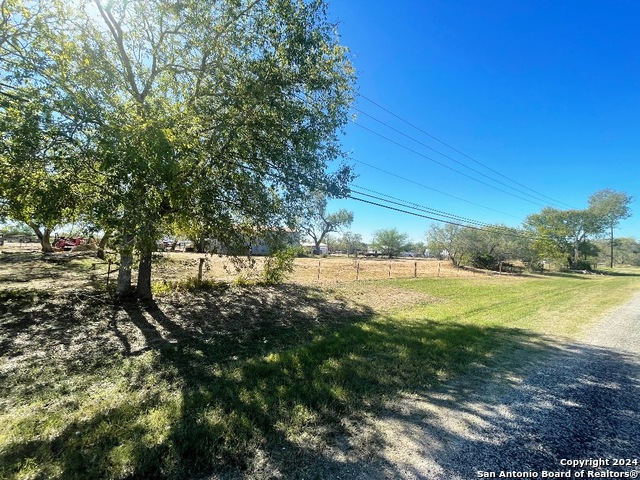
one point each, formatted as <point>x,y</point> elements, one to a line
<point>352,243</point>
<point>450,238</point>
<point>390,242</point>
<point>612,207</point>
<point>481,247</point>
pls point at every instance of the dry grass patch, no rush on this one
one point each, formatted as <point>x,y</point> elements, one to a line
<point>81,270</point>
<point>381,297</point>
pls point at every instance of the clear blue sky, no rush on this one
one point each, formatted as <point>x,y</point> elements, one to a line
<point>545,93</point>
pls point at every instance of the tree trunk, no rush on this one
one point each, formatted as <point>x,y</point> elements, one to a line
<point>576,253</point>
<point>46,240</point>
<point>103,244</point>
<point>126,262</point>
<point>143,288</point>
<point>201,241</point>
<point>611,246</point>
<point>44,236</point>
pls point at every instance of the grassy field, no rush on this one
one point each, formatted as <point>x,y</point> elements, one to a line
<point>24,264</point>
<point>249,380</point>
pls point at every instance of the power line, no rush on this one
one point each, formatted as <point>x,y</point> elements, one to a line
<point>303,99</point>
<point>452,219</point>
<point>446,166</point>
<point>434,189</point>
<point>415,206</point>
<point>450,222</point>
<point>444,155</point>
<point>460,152</point>
<point>410,213</point>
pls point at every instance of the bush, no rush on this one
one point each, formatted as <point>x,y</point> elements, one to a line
<point>189,284</point>
<point>581,265</point>
<point>278,265</point>
<point>535,266</point>
<point>85,247</point>
<point>485,261</point>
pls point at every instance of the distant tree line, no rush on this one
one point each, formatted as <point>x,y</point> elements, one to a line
<point>568,238</point>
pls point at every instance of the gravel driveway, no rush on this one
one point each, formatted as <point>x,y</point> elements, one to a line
<point>581,403</point>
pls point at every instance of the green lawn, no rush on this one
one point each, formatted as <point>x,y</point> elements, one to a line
<point>201,382</point>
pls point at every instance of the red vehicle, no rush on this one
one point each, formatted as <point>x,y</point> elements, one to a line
<point>67,243</point>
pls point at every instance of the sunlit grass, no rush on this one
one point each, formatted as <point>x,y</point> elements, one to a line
<point>563,305</point>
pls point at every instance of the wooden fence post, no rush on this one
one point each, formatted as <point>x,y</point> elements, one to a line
<point>389,268</point>
<point>415,269</point>
<point>438,269</point>
<point>318,270</point>
<point>358,270</point>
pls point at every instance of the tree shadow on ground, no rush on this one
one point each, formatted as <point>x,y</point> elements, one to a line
<point>614,273</point>
<point>55,268</point>
<point>582,402</point>
<point>265,382</point>
<point>590,274</point>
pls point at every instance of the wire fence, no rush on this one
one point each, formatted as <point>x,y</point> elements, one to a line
<point>20,268</point>
<point>309,270</point>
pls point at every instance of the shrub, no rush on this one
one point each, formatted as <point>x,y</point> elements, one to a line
<point>535,266</point>
<point>85,247</point>
<point>581,265</point>
<point>278,265</point>
<point>485,261</point>
<point>189,284</point>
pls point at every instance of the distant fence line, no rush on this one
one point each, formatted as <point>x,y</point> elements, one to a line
<point>336,269</point>
<point>178,266</point>
<point>310,270</point>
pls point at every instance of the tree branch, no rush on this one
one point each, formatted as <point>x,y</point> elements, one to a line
<point>118,36</point>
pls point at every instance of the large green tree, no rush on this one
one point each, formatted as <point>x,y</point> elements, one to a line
<point>223,112</point>
<point>563,233</point>
<point>319,223</point>
<point>485,247</point>
<point>611,206</point>
<point>567,233</point>
<point>36,187</point>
